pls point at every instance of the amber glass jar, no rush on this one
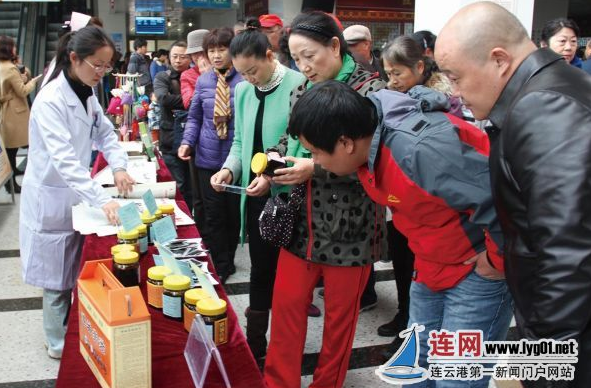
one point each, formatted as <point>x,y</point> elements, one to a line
<point>155,284</point>
<point>172,296</point>
<point>126,268</point>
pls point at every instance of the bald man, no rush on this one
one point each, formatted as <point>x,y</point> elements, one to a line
<point>540,165</point>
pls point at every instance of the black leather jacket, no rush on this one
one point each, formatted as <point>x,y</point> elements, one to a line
<point>541,177</point>
<point>167,88</point>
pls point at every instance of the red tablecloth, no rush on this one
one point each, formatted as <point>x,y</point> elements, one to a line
<point>169,368</point>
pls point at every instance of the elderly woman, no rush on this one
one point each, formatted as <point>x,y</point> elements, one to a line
<point>561,36</point>
<point>209,133</point>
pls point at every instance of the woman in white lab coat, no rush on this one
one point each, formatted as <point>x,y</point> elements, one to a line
<point>65,120</point>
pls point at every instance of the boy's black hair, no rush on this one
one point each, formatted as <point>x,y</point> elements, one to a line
<point>139,42</point>
<point>329,110</point>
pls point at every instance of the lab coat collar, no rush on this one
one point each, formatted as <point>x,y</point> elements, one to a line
<point>73,101</point>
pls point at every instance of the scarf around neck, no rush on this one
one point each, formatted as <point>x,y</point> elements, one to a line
<point>221,110</point>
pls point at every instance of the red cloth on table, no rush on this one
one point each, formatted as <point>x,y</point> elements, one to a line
<point>169,368</point>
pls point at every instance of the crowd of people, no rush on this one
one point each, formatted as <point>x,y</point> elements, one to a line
<point>389,155</point>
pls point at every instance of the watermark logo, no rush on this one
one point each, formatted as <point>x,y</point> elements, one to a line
<point>403,367</point>
<point>464,355</point>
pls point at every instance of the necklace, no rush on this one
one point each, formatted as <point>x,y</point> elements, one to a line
<point>276,78</point>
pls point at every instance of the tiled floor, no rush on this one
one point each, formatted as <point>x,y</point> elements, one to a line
<point>23,360</point>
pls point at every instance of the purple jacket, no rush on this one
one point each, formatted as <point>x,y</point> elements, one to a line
<point>200,132</point>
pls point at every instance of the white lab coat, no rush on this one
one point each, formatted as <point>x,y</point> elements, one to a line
<point>61,133</point>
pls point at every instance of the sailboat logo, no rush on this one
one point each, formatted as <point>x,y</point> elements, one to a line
<point>403,368</point>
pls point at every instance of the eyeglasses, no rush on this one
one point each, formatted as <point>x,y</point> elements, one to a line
<point>182,57</point>
<point>99,69</point>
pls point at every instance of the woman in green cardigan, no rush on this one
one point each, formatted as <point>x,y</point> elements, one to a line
<point>261,112</point>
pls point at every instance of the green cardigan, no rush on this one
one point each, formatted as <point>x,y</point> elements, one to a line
<point>275,120</point>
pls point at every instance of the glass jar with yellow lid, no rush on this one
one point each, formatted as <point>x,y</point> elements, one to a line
<point>167,210</point>
<point>189,309</point>
<point>142,238</point>
<point>172,295</point>
<point>121,248</point>
<point>155,284</point>
<point>129,237</point>
<point>267,163</point>
<point>214,315</point>
<point>126,268</point>
<point>148,219</point>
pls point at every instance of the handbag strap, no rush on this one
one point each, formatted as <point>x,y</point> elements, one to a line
<point>298,194</point>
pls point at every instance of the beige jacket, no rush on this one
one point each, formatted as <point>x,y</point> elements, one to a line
<point>14,118</point>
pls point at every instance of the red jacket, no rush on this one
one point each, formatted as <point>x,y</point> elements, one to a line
<point>431,169</point>
<point>188,82</point>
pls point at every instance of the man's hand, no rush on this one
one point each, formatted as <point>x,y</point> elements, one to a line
<point>222,176</point>
<point>483,267</point>
<point>110,210</point>
<point>259,186</point>
<point>301,171</point>
<point>124,182</point>
<point>184,152</point>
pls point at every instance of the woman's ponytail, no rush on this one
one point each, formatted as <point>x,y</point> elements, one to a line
<point>84,42</point>
<point>62,58</point>
<point>251,41</point>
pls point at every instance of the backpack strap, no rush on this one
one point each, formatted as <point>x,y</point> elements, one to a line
<point>372,77</point>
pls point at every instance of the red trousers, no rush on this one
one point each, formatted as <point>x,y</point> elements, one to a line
<point>294,286</point>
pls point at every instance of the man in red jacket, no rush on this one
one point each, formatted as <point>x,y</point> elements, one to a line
<point>431,169</point>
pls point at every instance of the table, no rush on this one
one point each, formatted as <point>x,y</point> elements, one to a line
<point>169,368</point>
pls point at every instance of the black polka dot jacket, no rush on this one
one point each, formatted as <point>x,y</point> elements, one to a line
<point>339,224</point>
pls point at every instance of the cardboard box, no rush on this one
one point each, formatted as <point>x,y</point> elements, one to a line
<point>115,328</point>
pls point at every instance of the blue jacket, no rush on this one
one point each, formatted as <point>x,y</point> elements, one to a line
<point>200,132</point>
<point>155,68</point>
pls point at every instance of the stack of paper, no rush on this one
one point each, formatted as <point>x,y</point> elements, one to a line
<point>160,190</point>
<point>89,220</point>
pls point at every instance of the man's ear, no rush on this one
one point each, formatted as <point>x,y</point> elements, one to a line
<point>348,144</point>
<point>502,59</point>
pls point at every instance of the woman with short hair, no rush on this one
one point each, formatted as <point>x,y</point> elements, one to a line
<point>561,36</point>
<point>208,134</point>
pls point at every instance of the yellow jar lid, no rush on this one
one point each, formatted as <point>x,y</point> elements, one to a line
<point>142,228</point>
<point>121,248</point>
<point>147,218</point>
<point>258,164</point>
<point>166,208</point>
<point>128,235</point>
<point>126,257</point>
<point>211,306</point>
<point>177,282</point>
<point>158,272</point>
<point>196,294</point>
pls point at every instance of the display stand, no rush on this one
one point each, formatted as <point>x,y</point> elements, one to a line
<point>199,351</point>
<point>129,93</point>
<point>6,173</point>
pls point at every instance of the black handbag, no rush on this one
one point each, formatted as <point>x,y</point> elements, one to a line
<point>278,218</point>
